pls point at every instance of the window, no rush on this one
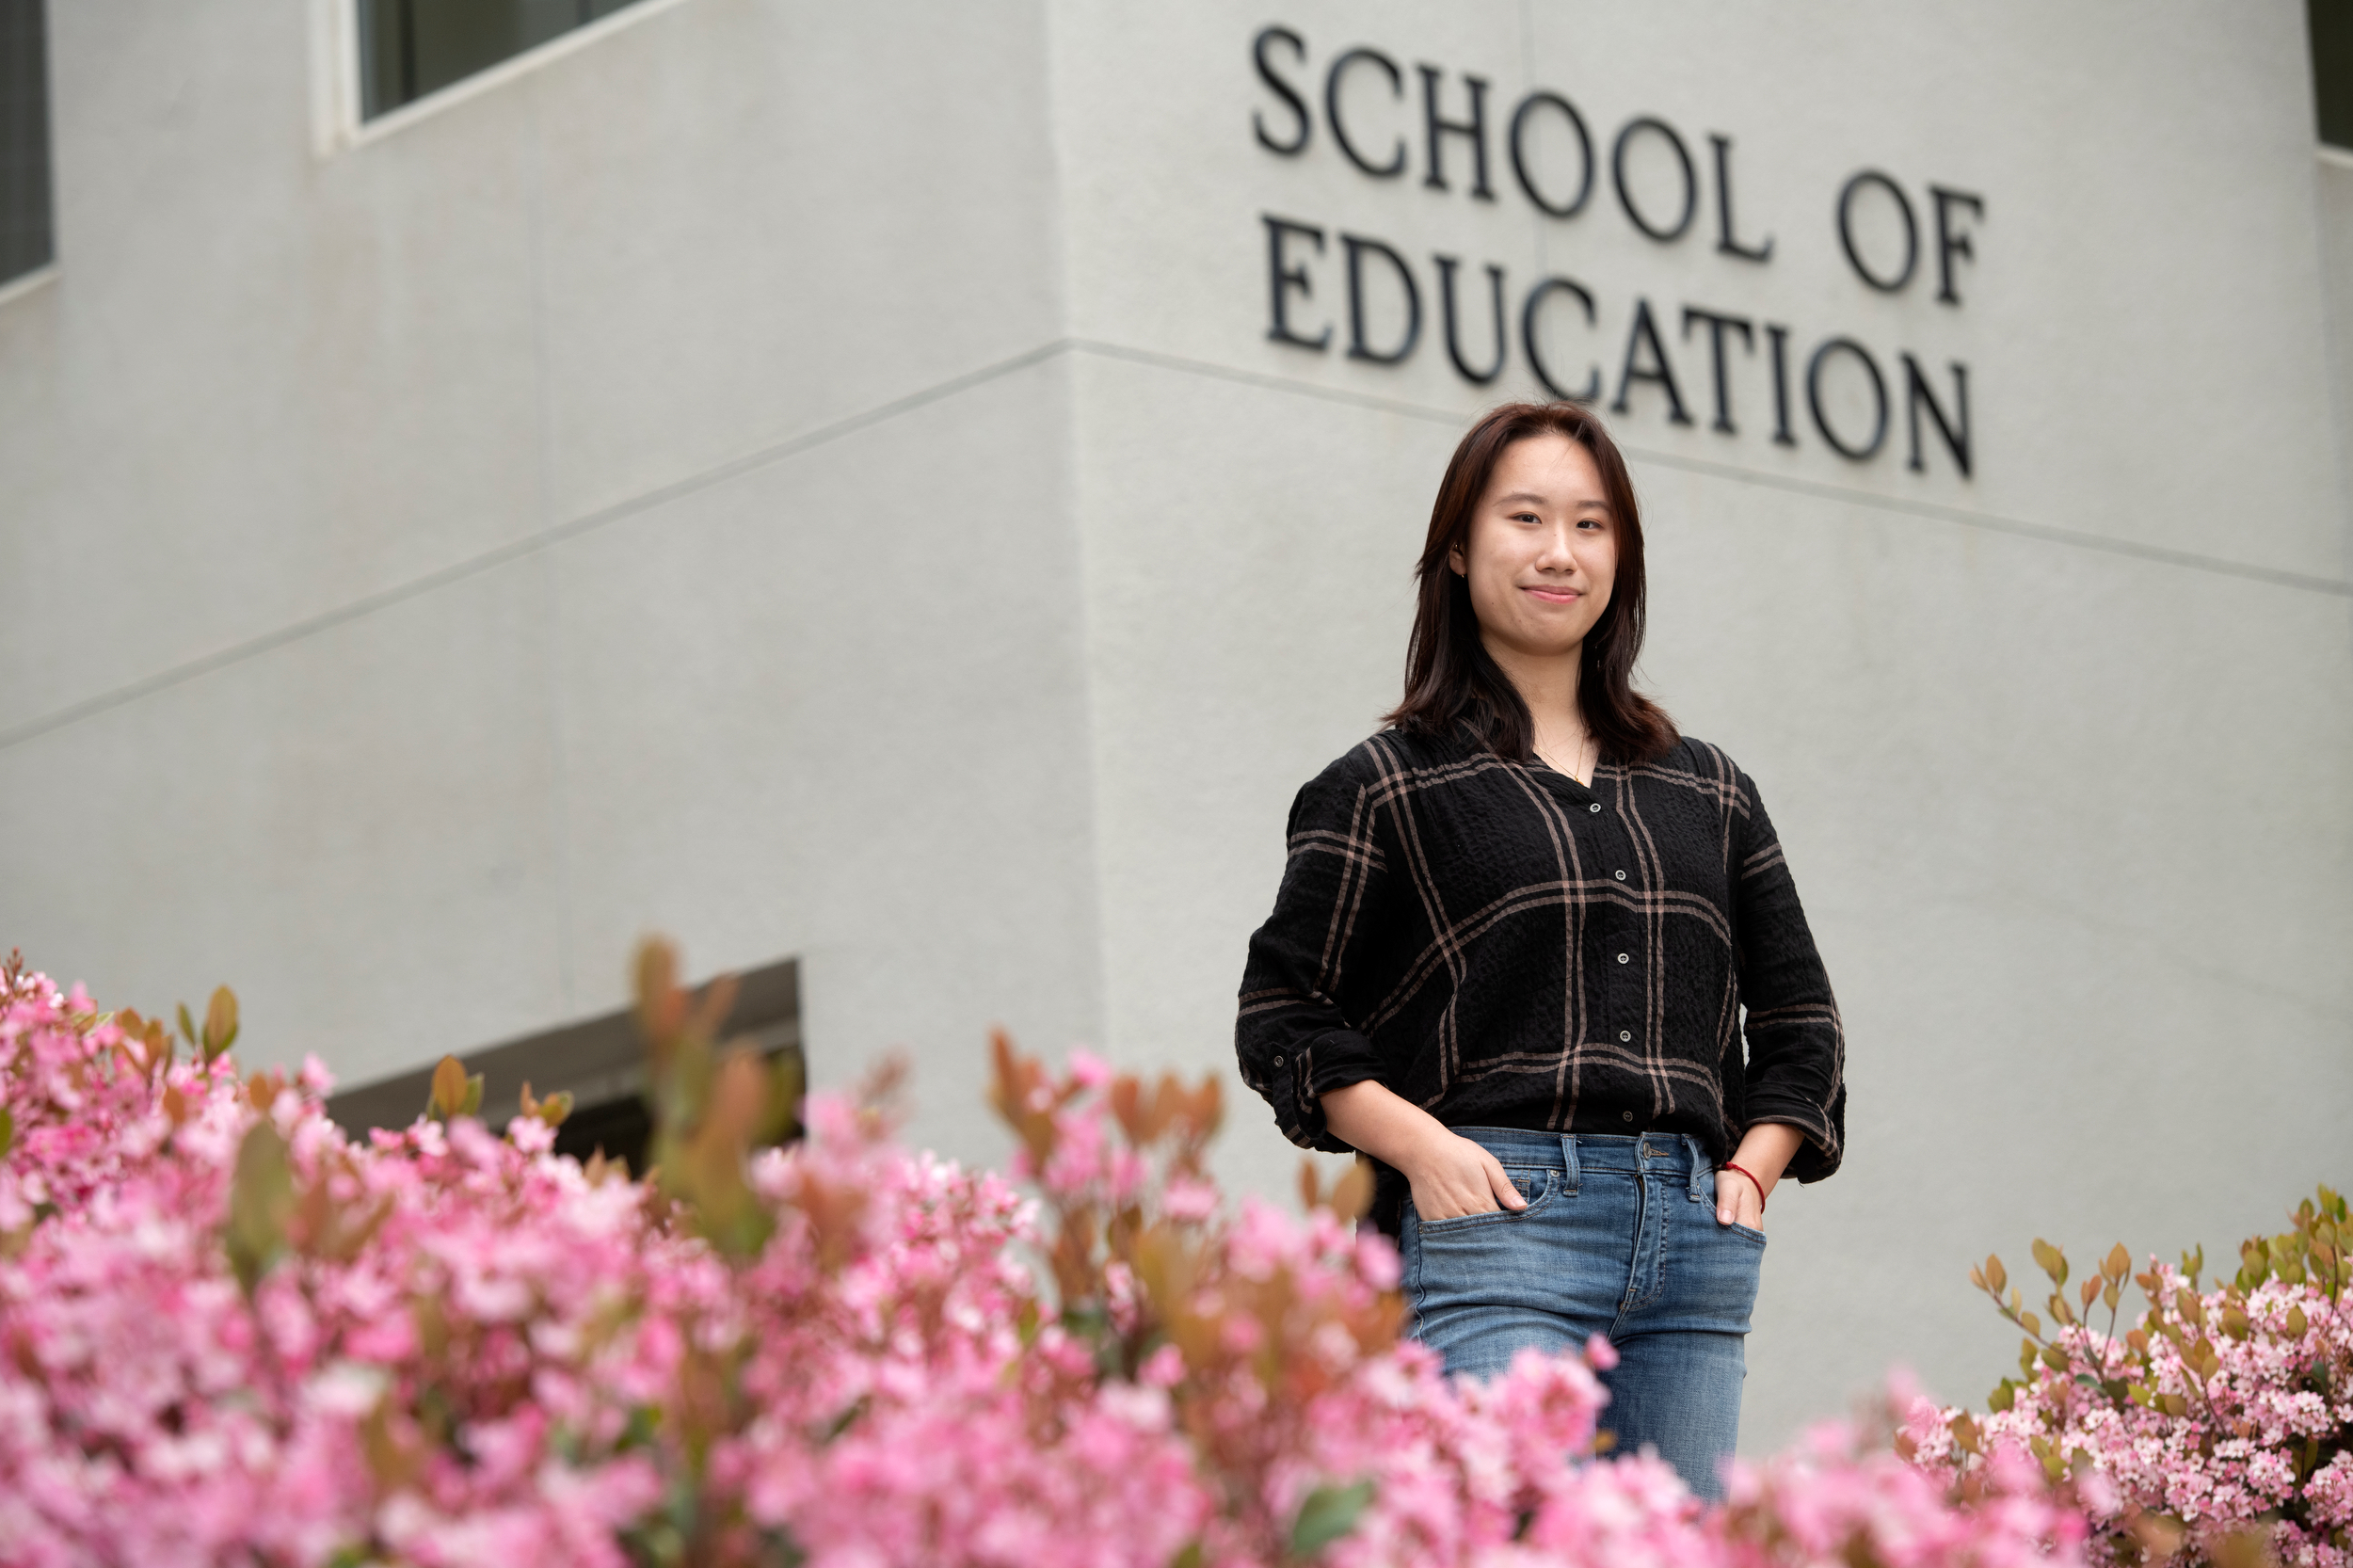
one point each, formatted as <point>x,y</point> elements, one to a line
<point>27,238</point>
<point>599,1062</point>
<point>410,48</point>
<point>2330,22</point>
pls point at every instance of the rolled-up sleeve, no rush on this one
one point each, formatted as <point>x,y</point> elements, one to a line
<point>1295,1037</point>
<point>1796,1046</point>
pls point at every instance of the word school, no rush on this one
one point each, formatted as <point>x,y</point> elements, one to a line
<point>1848,393</point>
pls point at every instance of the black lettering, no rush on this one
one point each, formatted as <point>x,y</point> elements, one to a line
<point>1956,431</point>
<point>1536,298</point>
<point>1625,197</point>
<point>1659,370</point>
<point>1304,127</point>
<point>1396,165</point>
<point>1950,243</point>
<point>1725,244</point>
<point>1845,232</point>
<point>1779,338</point>
<point>1453,342</point>
<point>1282,278</point>
<point>1435,126</point>
<point>1813,397</point>
<point>1533,101</point>
<point>1358,248</point>
<point>1716,325</point>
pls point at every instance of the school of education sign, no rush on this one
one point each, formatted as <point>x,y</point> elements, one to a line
<point>1359,97</point>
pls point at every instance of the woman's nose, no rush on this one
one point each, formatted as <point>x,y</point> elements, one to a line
<point>1556,551</point>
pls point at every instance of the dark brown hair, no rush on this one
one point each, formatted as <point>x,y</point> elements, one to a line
<point>1449,677</point>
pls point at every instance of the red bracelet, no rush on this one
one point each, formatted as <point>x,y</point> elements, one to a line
<point>1728,1166</point>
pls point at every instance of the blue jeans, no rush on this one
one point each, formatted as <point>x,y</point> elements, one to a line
<point>1619,1239</point>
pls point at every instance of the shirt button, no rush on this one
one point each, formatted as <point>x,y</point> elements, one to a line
<point>1595,806</point>
<point>1621,875</point>
<point>1626,1034</point>
<point>1626,1115</point>
<point>1278,1058</point>
<point>1625,958</point>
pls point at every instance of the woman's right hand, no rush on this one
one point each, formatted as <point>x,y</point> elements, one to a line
<point>1454,1176</point>
<point>1451,1175</point>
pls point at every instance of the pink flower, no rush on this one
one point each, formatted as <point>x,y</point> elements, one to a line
<point>452,1348</point>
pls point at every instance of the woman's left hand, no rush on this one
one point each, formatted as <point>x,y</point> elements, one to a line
<point>1737,1201</point>
<point>1765,1152</point>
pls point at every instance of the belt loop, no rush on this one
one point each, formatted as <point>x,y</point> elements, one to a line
<point>1568,1162</point>
<point>1702,1167</point>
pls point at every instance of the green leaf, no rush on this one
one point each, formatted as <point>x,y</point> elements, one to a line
<point>2053,1262</point>
<point>7,1132</point>
<point>220,1022</point>
<point>448,1097</point>
<point>645,1421</point>
<point>1329,1512</point>
<point>1191,1557</point>
<point>261,1200</point>
<point>187,1028</point>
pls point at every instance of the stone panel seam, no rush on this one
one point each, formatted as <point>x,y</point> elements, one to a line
<point>2048,532</point>
<point>661,495</point>
<point>516,549</point>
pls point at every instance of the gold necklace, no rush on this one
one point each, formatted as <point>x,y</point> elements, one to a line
<point>1576,757</point>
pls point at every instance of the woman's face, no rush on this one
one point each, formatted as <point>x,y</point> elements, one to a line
<point>1542,550</point>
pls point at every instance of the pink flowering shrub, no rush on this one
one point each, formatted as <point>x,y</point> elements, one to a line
<point>228,1334</point>
<point>2219,1428</point>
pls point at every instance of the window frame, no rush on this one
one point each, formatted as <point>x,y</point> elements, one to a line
<point>2340,29</point>
<point>339,99</point>
<point>34,278</point>
<point>24,283</point>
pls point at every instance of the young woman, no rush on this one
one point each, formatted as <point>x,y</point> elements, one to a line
<point>1521,938</point>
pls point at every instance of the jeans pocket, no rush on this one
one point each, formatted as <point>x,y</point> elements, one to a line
<point>1537,1187</point>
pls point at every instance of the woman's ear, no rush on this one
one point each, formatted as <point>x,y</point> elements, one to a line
<point>1454,559</point>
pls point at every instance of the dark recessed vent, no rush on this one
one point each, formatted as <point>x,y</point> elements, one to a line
<point>599,1061</point>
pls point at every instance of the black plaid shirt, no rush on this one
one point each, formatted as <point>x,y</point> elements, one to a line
<point>1504,947</point>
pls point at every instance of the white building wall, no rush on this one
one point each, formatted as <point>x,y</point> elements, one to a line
<point>2057,749</point>
<point>634,497</point>
<point>814,480</point>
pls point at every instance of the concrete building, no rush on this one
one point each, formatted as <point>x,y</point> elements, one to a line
<point>911,492</point>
